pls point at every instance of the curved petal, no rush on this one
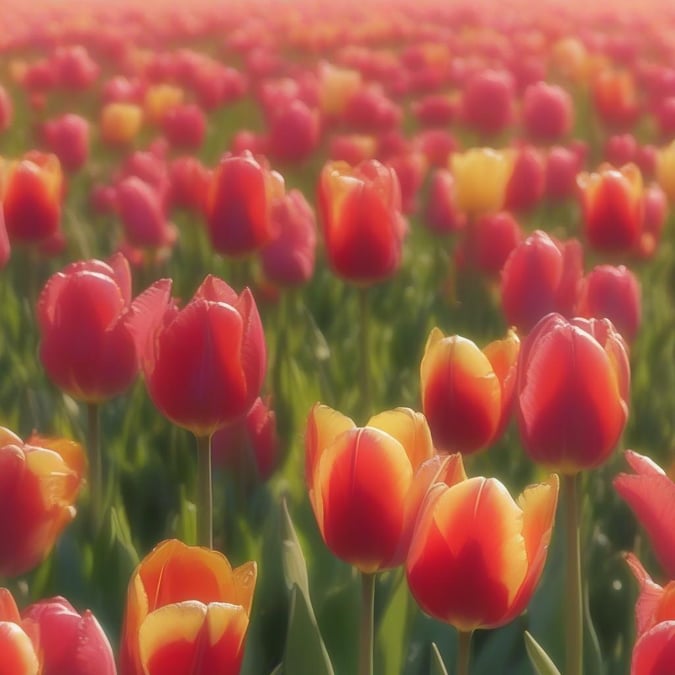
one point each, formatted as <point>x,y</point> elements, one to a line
<point>18,655</point>
<point>654,652</point>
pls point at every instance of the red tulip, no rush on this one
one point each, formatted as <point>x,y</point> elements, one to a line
<point>526,184</point>
<point>548,112</point>
<point>87,322</point>
<point>39,483</point>
<point>184,126</point>
<point>612,292</point>
<point>288,260</point>
<point>437,145</point>
<point>141,212</point>
<point>613,208</point>
<point>441,215</point>
<point>187,613</point>
<point>488,102</point>
<point>369,110</point>
<point>650,493</point>
<point>68,138</point>
<point>435,110</point>
<point>6,110</point>
<point>654,652</point>
<point>75,69</point>
<point>476,556</point>
<point>541,275</point>
<point>18,653</point>
<point>239,203</point>
<point>562,167</point>
<point>31,198</point>
<point>361,218</point>
<point>5,247</point>
<point>352,148</point>
<point>655,205</point>
<point>616,98</point>
<point>572,392</point>
<point>66,641</point>
<point>204,365</point>
<point>189,181</point>
<point>467,393</point>
<point>620,149</point>
<point>293,132</point>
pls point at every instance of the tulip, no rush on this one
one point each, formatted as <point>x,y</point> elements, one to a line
<point>31,198</point>
<point>6,110</point>
<point>572,392</point>
<point>410,168</point>
<point>620,149</point>
<point>655,210</point>
<point>548,112</point>
<point>336,86</point>
<point>120,123</point>
<point>39,483</point>
<point>184,126</point>
<point>467,393</point>
<point>612,292</point>
<point>159,99</point>
<point>253,437</point>
<point>560,179</point>
<point>613,208</point>
<point>488,102</point>
<point>189,180</point>
<point>481,176</point>
<point>68,138</point>
<point>204,365</point>
<point>368,110</point>
<point>187,613</point>
<point>650,493</point>
<point>615,98</point>
<point>293,132</point>
<point>66,641</point>
<point>5,247</point>
<point>239,203</point>
<point>654,649</point>
<point>18,653</point>
<point>144,222</point>
<point>526,184</point>
<point>441,215</point>
<point>541,275</point>
<point>435,110</point>
<point>361,217</point>
<point>352,148</point>
<point>476,555</point>
<point>288,260</point>
<point>437,146</point>
<point>86,317</point>
<point>75,70</point>
<point>665,170</point>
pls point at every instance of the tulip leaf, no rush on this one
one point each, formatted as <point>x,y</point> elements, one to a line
<point>306,653</point>
<point>392,630</point>
<point>278,670</point>
<point>437,665</point>
<point>295,567</point>
<point>539,659</point>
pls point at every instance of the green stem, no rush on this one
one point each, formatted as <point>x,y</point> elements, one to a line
<point>574,607</point>
<point>366,635</point>
<point>364,307</point>
<point>204,499</point>
<point>96,486</point>
<point>464,652</point>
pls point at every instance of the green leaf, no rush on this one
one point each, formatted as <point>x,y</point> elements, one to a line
<point>278,670</point>
<point>305,651</point>
<point>437,665</point>
<point>539,659</point>
<point>390,641</point>
<point>295,567</point>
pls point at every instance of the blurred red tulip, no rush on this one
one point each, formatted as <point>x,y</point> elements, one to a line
<point>5,247</point>
<point>368,110</point>
<point>562,167</point>
<point>66,641</point>
<point>361,485</point>
<point>31,197</point>
<point>655,212</point>
<point>75,69</point>
<point>120,89</point>
<point>467,394</point>
<point>361,218</point>
<point>239,204</point>
<point>572,392</point>
<point>435,110</point>
<point>184,126</point>
<point>293,132</point>
<point>541,275</point>
<point>526,184</point>
<point>615,97</point>
<point>352,148</point>
<point>650,493</point>
<point>189,180</point>
<point>441,215</point>
<point>488,102</point>
<point>288,260</point>
<point>476,555</point>
<point>204,365</point>
<point>251,441</point>
<point>548,112</point>
<point>68,138</point>
<point>187,613</point>
<point>39,483</point>
<point>437,145</point>
<point>140,209</point>
<point>614,293</point>
<point>410,168</point>
<point>620,149</point>
<point>6,110</point>
<point>613,208</point>
<point>86,321</point>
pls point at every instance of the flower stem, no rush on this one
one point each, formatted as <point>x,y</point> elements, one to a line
<point>464,652</point>
<point>96,486</point>
<point>366,636</point>
<point>366,394</point>
<point>573,610</point>
<point>204,499</point>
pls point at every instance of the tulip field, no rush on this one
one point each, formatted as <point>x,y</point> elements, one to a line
<point>337,338</point>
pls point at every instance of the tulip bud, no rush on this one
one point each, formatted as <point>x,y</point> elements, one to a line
<point>435,110</point>
<point>120,123</point>
<point>189,181</point>
<point>560,179</point>
<point>6,110</point>
<point>615,98</point>
<point>526,184</point>
<point>68,138</point>
<point>184,126</point>
<point>75,69</point>
<point>441,215</point>
<point>361,218</point>
<point>293,132</point>
<point>488,102</point>
<point>665,170</point>
<point>548,112</point>
<point>572,392</point>
<point>159,99</point>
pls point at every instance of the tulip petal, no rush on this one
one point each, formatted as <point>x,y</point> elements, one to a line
<point>654,652</point>
<point>18,656</point>
<point>8,609</point>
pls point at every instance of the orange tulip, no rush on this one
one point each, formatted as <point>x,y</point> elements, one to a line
<point>31,197</point>
<point>360,482</point>
<point>159,99</point>
<point>187,612</point>
<point>467,393</point>
<point>476,556</point>
<point>18,654</point>
<point>39,483</point>
<point>120,123</point>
